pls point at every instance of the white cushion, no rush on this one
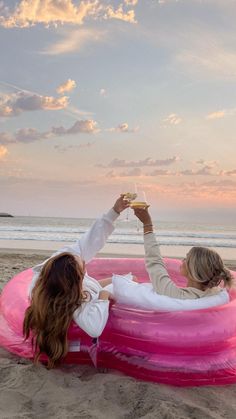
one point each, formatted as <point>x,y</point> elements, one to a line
<point>143,296</point>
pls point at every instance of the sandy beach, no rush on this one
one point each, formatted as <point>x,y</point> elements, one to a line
<point>28,391</point>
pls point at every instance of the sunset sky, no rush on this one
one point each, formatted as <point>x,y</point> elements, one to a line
<point>101,97</point>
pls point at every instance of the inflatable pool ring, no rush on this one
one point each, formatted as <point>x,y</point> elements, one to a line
<point>184,348</point>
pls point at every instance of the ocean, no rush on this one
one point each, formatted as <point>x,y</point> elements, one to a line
<point>172,236</point>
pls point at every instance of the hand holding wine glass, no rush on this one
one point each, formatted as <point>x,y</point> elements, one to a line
<point>129,197</point>
<point>143,215</point>
<point>121,204</point>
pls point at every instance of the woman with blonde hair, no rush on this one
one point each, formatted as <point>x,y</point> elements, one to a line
<point>203,267</point>
<point>62,291</point>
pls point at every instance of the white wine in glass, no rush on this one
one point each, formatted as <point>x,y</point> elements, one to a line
<point>141,202</point>
<point>130,196</point>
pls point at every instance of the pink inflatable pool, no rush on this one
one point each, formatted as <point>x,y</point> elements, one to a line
<point>182,348</point>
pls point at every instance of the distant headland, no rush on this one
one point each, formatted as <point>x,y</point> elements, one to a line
<point>4,214</point>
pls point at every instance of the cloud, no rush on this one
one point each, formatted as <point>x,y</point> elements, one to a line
<point>66,87</point>
<point>53,12</point>
<point>131,2</point>
<point>216,190</point>
<point>227,172</point>
<point>221,114</point>
<point>103,92</point>
<point>16,103</point>
<point>120,14</point>
<point>28,135</point>
<point>141,163</point>
<point>230,172</point>
<point>161,172</point>
<point>209,163</point>
<point>136,171</point>
<point>204,171</point>
<point>74,40</point>
<point>88,126</point>
<point>172,119</point>
<point>168,1</point>
<point>63,149</point>
<point>202,51</point>
<point>196,192</point>
<point>30,12</point>
<point>216,115</point>
<point>123,128</point>
<point>209,60</point>
<point>3,151</point>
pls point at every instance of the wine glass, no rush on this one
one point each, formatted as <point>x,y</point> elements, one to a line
<point>129,196</point>
<point>139,202</point>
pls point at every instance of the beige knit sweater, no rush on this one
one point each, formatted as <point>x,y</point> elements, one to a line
<point>159,277</point>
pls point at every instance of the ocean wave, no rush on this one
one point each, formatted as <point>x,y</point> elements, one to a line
<point>43,229</point>
<point>119,239</point>
<point>119,232</point>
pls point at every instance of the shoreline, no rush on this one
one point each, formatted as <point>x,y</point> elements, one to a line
<point>40,252</point>
<point>134,249</point>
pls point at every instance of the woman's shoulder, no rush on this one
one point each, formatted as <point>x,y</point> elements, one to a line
<point>196,293</point>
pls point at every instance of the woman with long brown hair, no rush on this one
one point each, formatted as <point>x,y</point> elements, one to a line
<point>61,290</point>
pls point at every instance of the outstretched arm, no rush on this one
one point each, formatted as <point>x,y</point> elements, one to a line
<point>95,238</point>
<point>155,265</point>
<point>92,241</point>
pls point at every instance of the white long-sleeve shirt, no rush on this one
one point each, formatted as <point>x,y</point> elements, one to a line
<point>91,316</point>
<point>160,279</point>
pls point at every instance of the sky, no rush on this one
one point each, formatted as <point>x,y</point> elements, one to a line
<point>102,97</point>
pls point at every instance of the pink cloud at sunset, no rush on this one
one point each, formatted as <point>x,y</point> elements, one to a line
<point>3,151</point>
<point>145,162</point>
<point>221,114</point>
<point>201,194</point>
<point>135,170</point>
<point>216,115</point>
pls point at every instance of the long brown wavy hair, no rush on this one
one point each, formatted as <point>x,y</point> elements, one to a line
<point>56,295</point>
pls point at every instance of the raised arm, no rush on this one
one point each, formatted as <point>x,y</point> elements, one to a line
<point>95,238</point>
<point>158,274</point>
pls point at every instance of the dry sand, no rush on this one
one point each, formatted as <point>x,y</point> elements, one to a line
<point>30,392</point>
